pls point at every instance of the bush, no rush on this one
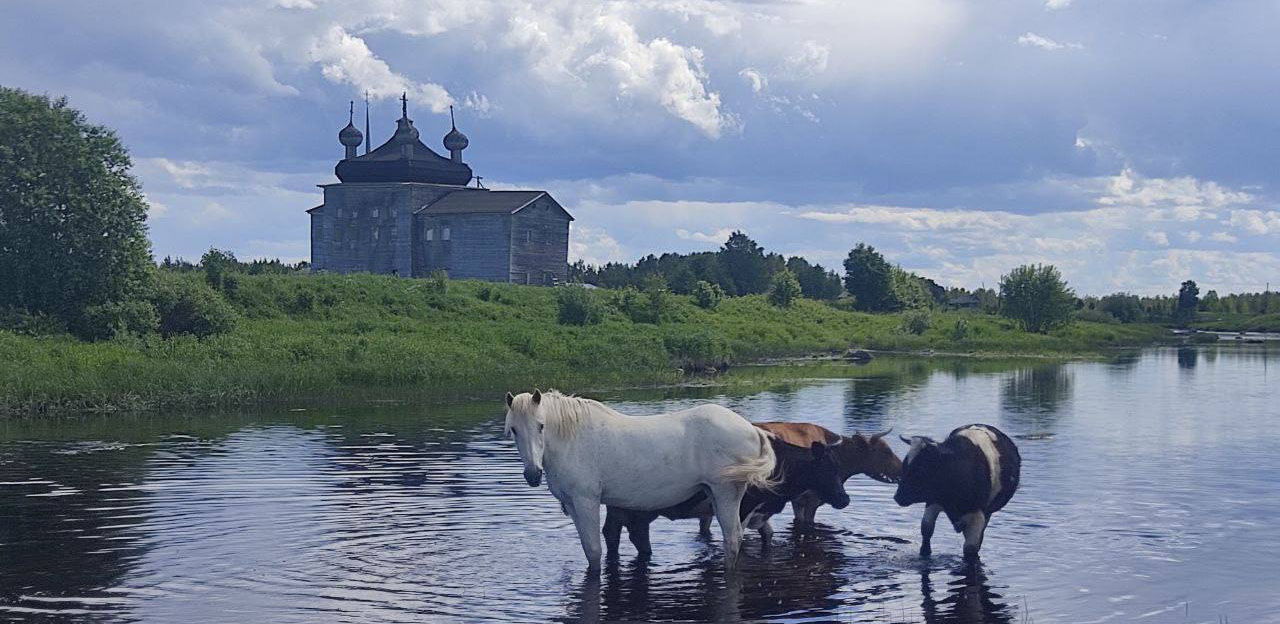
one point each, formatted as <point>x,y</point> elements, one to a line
<point>916,322</point>
<point>784,289</point>
<point>189,307</point>
<point>20,321</point>
<point>707,295</point>
<point>577,306</point>
<point>627,301</point>
<point>696,349</point>
<point>655,287</point>
<point>106,321</point>
<point>959,331</point>
<point>438,282</point>
<point>1095,316</point>
<point>1036,297</point>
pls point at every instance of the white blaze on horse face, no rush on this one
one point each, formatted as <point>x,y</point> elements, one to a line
<point>525,426</point>
<point>985,440</point>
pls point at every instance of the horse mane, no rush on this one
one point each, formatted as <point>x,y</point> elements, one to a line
<point>566,413</point>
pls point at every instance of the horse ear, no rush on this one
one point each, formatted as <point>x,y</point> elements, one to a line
<point>510,399</point>
<point>537,396</point>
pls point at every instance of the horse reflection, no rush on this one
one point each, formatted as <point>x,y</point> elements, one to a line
<point>968,600</point>
<point>800,574</point>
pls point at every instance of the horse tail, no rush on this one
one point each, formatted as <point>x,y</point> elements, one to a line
<point>755,471</point>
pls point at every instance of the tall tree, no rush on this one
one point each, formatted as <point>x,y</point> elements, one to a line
<point>744,260</point>
<point>72,219</point>
<point>1188,302</point>
<point>869,278</point>
<point>1037,297</point>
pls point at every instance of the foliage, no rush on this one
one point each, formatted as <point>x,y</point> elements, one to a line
<point>118,318</point>
<point>188,307</point>
<point>576,306</point>
<point>744,261</point>
<point>1188,302</point>
<point>1095,316</point>
<point>916,321</point>
<point>869,278</point>
<point>909,291</point>
<point>784,289</point>
<point>659,299</point>
<point>816,282</point>
<point>1036,297</point>
<point>383,337</point>
<point>1123,307</point>
<point>707,295</point>
<point>959,330</point>
<point>438,282</point>
<point>72,218</point>
<point>218,266</point>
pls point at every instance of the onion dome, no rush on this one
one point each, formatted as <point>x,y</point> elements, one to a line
<point>350,136</point>
<point>455,141</point>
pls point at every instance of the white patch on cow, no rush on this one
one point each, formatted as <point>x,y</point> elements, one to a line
<point>917,443</point>
<point>985,440</point>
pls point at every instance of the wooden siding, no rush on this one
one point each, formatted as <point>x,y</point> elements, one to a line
<point>477,247</point>
<point>540,243</point>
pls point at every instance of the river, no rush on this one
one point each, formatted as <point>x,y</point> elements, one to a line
<point>1149,493</point>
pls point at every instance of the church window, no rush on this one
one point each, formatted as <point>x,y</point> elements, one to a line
<point>375,233</point>
<point>431,233</point>
<point>374,213</point>
<point>444,233</point>
<point>528,236</point>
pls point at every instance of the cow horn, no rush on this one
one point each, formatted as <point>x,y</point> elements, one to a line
<point>904,438</point>
<point>882,434</point>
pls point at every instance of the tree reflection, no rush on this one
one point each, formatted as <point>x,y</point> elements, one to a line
<point>1038,393</point>
<point>1187,357</point>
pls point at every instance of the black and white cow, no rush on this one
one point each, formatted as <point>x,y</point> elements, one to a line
<point>970,475</point>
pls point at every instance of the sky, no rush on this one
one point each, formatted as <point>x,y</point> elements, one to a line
<point>1134,143</point>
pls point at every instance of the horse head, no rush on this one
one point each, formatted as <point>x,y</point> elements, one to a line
<point>525,424</point>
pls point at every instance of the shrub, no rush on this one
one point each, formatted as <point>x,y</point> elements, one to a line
<point>188,307</point>
<point>627,301</point>
<point>577,306</point>
<point>438,282</point>
<point>102,322</point>
<point>20,321</point>
<point>655,287</point>
<point>1095,316</point>
<point>696,349</point>
<point>916,322</point>
<point>707,295</point>
<point>1036,297</point>
<point>784,289</point>
<point>959,331</point>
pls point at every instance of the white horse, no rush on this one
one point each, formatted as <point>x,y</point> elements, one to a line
<point>593,455</point>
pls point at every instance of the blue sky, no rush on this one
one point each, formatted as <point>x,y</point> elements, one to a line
<point>1132,143</point>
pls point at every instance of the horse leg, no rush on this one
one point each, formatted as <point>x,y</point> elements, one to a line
<point>926,528</point>
<point>727,498</point>
<point>638,532</point>
<point>975,526</point>
<point>586,517</point>
<point>614,520</point>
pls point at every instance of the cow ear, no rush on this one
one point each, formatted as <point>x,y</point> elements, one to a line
<point>537,396</point>
<point>510,399</point>
<point>818,449</point>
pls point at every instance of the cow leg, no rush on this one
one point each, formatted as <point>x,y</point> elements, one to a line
<point>926,528</point>
<point>614,520</point>
<point>975,526</point>
<point>805,507</point>
<point>704,525</point>
<point>766,532</point>
<point>638,532</point>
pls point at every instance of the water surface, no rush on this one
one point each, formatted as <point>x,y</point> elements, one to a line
<point>1149,494</point>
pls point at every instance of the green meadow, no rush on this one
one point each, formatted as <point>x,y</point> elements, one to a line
<point>316,338</point>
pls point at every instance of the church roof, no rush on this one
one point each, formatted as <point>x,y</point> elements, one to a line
<point>403,158</point>
<point>472,200</point>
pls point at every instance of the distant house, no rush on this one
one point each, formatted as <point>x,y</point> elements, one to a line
<point>963,302</point>
<point>402,209</point>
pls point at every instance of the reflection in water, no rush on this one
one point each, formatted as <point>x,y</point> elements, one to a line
<point>1037,393</point>
<point>410,513</point>
<point>1187,357</point>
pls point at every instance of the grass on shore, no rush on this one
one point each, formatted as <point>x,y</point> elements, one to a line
<point>1239,322</point>
<point>330,336</point>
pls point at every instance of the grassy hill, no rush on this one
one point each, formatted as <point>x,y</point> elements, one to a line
<point>318,337</point>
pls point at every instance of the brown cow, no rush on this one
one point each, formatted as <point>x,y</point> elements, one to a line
<point>855,454</point>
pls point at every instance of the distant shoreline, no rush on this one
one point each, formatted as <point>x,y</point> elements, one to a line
<point>369,334</point>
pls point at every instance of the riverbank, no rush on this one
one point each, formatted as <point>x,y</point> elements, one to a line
<point>326,337</point>
<point>1239,322</point>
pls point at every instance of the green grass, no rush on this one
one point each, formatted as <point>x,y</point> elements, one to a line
<point>1240,322</point>
<point>326,337</point>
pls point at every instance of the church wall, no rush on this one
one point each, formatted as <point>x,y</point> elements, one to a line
<point>540,244</point>
<point>477,245</point>
<point>367,227</point>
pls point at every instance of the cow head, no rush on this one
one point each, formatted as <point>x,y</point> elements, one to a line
<point>919,471</point>
<point>869,455</point>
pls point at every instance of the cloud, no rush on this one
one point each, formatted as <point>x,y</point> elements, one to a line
<point>1057,5</point>
<point>1045,43</point>
<point>810,60</point>
<point>754,77</point>
<point>1223,237</point>
<point>594,246</point>
<point>1256,221</point>
<point>918,218</point>
<point>346,59</point>
<point>717,237</point>
<point>1159,238</point>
